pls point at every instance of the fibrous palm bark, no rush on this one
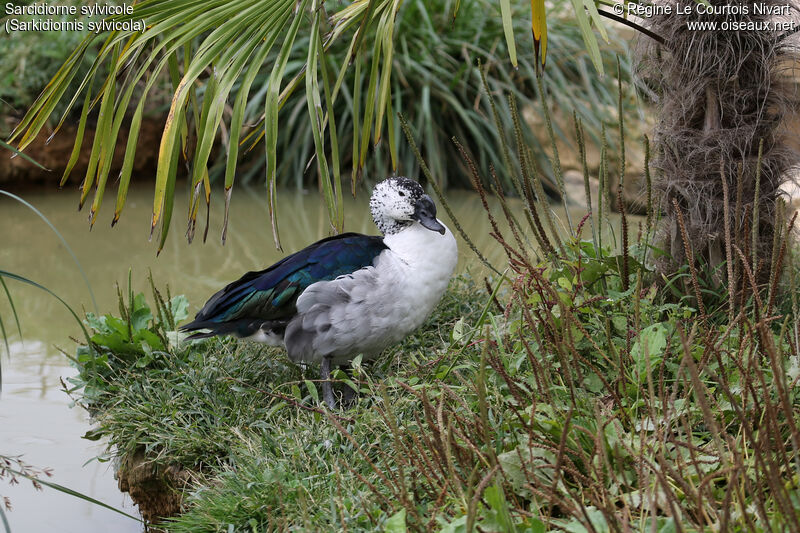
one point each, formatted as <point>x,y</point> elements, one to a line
<point>722,94</point>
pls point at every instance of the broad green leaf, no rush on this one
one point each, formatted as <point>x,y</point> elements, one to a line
<point>76,148</point>
<point>337,181</point>
<point>145,336</point>
<point>356,121</point>
<point>315,113</point>
<point>271,116</point>
<point>385,29</point>
<point>499,506</point>
<point>312,390</point>
<point>457,525</point>
<point>588,35</point>
<point>648,350</point>
<point>179,308</point>
<point>596,19</point>
<point>141,315</point>
<point>369,108</point>
<point>169,196</point>
<point>508,29</point>
<point>595,516</point>
<point>396,523</point>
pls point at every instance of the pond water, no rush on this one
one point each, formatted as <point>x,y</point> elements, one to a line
<point>36,420</point>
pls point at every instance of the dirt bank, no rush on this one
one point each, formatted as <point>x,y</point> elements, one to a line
<point>18,173</point>
<point>157,491</point>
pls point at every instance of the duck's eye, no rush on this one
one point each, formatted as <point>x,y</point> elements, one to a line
<point>401,193</point>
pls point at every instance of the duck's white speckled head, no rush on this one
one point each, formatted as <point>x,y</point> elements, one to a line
<point>398,202</point>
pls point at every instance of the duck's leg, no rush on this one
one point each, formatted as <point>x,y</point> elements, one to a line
<point>327,388</point>
<point>348,394</point>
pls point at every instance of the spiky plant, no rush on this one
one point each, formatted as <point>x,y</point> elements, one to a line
<point>721,158</point>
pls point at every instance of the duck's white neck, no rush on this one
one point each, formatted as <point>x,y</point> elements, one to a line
<point>419,246</point>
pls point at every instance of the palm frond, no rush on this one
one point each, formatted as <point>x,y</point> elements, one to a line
<point>256,54</point>
<point>224,44</point>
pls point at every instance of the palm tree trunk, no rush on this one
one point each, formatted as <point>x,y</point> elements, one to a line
<point>723,96</point>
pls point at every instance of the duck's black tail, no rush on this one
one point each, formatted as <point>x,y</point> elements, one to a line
<point>244,327</point>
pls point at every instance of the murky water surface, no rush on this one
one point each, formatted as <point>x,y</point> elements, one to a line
<point>36,420</point>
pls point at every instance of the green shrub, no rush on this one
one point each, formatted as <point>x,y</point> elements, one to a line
<point>29,59</point>
<point>436,84</point>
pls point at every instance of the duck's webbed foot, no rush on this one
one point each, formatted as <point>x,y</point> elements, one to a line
<point>327,387</point>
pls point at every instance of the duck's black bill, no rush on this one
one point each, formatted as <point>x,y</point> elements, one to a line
<point>425,213</point>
